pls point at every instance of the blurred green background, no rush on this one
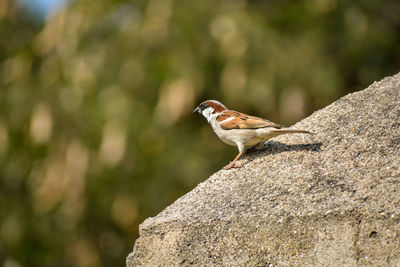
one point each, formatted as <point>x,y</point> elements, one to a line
<point>96,130</point>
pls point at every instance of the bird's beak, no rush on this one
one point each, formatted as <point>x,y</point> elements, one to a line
<point>197,111</point>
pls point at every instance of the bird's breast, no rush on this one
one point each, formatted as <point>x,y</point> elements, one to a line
<point>224,135</point>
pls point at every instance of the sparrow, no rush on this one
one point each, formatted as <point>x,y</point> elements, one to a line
<point>238,129</point>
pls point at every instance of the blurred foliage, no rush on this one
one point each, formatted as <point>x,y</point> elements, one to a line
<point>96,130</point>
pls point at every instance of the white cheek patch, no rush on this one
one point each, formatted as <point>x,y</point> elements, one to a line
<point>207,113</point>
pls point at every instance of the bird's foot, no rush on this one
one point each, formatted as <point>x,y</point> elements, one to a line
<point>232,165</point>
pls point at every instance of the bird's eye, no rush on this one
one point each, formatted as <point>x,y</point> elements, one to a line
<point>203,106</point>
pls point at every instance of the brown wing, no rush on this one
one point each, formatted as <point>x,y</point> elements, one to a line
<point>243,121</point>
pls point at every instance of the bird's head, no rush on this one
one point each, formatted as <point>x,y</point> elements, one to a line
<point>209,109</point>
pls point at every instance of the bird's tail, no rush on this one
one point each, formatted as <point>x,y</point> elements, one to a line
<point>287,130</point>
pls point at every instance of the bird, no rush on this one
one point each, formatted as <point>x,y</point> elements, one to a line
<point>238,129</point>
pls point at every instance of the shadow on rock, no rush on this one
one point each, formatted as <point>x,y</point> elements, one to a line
<point>272,147</point>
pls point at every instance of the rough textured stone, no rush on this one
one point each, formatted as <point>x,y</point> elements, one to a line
<point>331,199</point>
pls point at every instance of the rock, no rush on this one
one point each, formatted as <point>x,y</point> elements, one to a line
<point>331,199</point>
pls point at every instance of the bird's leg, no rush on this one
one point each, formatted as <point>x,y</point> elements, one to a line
<point>232,164</point>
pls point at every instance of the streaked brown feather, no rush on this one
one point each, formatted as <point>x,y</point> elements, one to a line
<point>222,117</point>
<point>243,121</point>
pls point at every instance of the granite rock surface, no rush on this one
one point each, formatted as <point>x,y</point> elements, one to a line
<point>330,199</point>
